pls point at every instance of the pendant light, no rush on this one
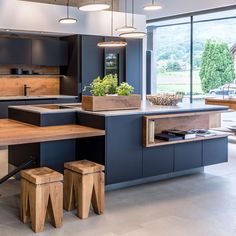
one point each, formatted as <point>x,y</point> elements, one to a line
<point>94,6</point>
<point>126,28</point>
<point>68,19</point>
<point>152,6</point>
<point>134,34</point>
<point>112,44</point>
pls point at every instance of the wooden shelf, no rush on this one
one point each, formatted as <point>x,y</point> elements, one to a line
<point>181,121</point>
<point>33,75</point>
<point>159,142</point>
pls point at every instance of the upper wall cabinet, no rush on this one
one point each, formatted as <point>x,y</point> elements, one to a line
<point>134,62</point>
<point>92,59</point>
<point>15,51</point>
<point>49,52</point>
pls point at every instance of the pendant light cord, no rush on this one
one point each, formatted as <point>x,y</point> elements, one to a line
<point>112,16</point>
<point>68,2</point>
<point>133,13</point>
<point>126,13</point>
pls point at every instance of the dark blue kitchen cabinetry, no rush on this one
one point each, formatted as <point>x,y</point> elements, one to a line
<point>123,148</point>
<point>134,52</point>
<point>215,151</point>
<point>15,51</point>
<point>188,156</point>
<point>158,160</point>
<point>92,59</point>
<point>4,107</point>
<point>49,52</point>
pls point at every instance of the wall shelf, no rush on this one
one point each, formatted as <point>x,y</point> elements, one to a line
<point>182,121</point>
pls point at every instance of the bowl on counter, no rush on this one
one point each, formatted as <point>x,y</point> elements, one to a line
<point>165,99</point>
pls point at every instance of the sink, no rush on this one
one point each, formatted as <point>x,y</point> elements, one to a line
<point>53,107</point>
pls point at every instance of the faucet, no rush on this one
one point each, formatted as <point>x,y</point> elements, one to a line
<point>25,89</point>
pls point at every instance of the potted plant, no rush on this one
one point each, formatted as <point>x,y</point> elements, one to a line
<point>108,95</point>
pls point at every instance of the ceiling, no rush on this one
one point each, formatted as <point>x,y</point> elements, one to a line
<point>72,2</point>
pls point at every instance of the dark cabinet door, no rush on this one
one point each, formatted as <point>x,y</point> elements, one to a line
<point>15,51</point>
<point>66,100</point>
<point>70,84</point>
<point>158,160</point>
<point>92,59</point>
<point>134,64</point>
<point>123,148</point>
<point>215,151</point>
<point>39,101</point>
<point>4,107</point>
<point>49,52</point>
<point>188,156</point>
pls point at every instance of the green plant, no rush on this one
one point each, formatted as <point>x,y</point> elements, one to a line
<point>124,89</point>
<point>217,66</point>
<point>110,83</point>
<point>101,87</point>
<point>97,88</point>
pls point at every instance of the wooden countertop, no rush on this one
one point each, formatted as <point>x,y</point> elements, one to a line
<point>13,132</point>
<point>230,102</point>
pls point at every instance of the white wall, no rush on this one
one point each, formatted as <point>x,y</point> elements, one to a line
<point>29,16</point>
<point>176,7</point>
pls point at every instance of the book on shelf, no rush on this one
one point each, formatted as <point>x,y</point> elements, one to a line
<point>205,133</point>
<point>185,134</point>
<point>151,131</point>
<point>168,137</point>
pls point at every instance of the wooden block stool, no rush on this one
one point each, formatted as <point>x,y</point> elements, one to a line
<point>83,185</point>
<point>41,195</point>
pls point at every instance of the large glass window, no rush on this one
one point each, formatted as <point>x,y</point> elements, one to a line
<point>211,41</point>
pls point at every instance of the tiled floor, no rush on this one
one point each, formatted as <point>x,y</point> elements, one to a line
<point>196,205</point>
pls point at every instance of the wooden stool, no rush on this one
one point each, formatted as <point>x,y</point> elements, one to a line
<point>83,184</point>
<point>41,194</point>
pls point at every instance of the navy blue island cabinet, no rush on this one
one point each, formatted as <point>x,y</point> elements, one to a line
<point>129,154</point>
<point>121,147</point>
<point>127,158</point>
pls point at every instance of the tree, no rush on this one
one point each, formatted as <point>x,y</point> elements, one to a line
<point>217,66</point>
<point>173,66</point>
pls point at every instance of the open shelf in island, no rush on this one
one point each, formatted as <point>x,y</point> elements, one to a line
<point>180,121</point>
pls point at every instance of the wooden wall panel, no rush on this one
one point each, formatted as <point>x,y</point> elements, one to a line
<point>14,86</point>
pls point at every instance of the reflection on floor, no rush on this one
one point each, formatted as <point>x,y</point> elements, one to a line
<point>196,205</point>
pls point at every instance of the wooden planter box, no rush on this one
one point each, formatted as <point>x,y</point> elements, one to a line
<point>107,103</point>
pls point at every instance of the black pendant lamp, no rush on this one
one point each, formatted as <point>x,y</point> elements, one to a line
<point>152,6</point>
<point>126,27</point>
<point>112,44</point>
<point>134,34</point>
<point>68,19</point>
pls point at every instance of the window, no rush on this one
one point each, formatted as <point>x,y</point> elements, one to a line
<point>175,42</point>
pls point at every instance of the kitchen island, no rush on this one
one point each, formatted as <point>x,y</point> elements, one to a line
<point>128,158</point>
<point>230,102</point>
